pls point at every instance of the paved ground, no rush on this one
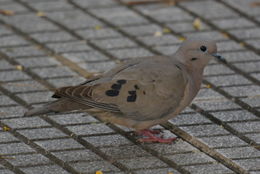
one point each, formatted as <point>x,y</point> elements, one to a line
<point>48,44</point>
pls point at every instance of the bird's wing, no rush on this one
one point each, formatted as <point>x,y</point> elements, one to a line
<point>144,90</point>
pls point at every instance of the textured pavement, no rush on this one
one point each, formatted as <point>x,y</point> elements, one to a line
<point>47,44</point>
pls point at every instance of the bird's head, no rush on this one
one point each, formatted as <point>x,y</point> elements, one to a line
<point>195,54</point>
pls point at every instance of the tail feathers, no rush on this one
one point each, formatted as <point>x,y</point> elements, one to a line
<point>61,105</point>
<point>38,111</point>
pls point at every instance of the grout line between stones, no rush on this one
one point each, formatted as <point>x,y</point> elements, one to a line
<point>9,166</point>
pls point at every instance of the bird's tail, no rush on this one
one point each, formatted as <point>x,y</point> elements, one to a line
<point>60,105</point>
<point>40,110</point>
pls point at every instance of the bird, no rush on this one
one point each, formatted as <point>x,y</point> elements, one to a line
<point>141,92</point>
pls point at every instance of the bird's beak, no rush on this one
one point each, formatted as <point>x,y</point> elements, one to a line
<point>218,56</point>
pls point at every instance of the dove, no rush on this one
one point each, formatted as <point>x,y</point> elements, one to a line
<point>141,92</point>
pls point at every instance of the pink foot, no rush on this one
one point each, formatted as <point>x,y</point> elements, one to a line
<point>151,136</point>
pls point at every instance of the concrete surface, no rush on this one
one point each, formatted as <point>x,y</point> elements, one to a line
<point>48,44</point>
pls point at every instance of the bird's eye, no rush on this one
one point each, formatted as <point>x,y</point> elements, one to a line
<point>194,58</point>
<point>203,48</point>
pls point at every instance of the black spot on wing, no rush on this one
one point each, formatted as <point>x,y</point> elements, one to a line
<point>121,81</point>
<point>131,98</point>
<point>136,87</point>
<point>112,93</point>
<point>116,87</point>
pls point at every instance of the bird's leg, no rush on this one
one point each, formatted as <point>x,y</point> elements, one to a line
<point>152,136</point>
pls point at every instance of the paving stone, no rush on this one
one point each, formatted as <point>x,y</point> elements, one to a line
<point>38,61</point>
<point>167,50</point>
<point>23,51</point>
<point>157,171</point>
<point>249,164</point>
<point>16,8</point>
<point>246,34</point>
<point>94,166</point>
<point>36,97</point>
<point>12,40</point>
<point>5,101</point>
<point>162,40</point>
<point>59,144</point>
<point>252,101</point>
<point>239,152</point>
<point>4,65</point>
<point>244,6</point>
<point>25,122</point>
<point>13,148</point>
<point>206,34</point>
<point>240,91</point>
<point>93,33</point>
<point>187,26</point>
<point>6,137</point>
<point>246,126</point>
<point>94,3</point>
<point>206,94</point>
<point>98,67</point>
<point>222,141</point>
<point>11,111</point>
<point>143,162</point>
<point>59,82</point>
<point>165,14</point>
<point>4,31</point>
<point>140,30</point>
<point>114,43</point>
<point>125,152</point>
<point>13,75</point>
<point>74,19</point>
<point>6,171</point>
<point>42,133</point>
<point>205,130</point>
<point>255,75</point>
<point>76,155</point>
<point>90,129</point>
<point>69,46</point>
<point>90,56</point>
<point>190,158</point>
<point>248,67</point>
<point>217,70</point>
<point>240,56</point>
<point>54,72</point>
<point>29,159</point>
<point>231,23</point>
<point>130,53</point>
<point>51,5</point>
<point>229,46</point>
<point>228,80</point>
<point>119,16</point>
<point>187,119</point>
<point>209,9</point>
<point>71,118</point>
<point>208,168</point>
<point>234,115</point>
<point>52,37</point>
<point>254,43</point>
<point>108,140</point>
<point>53,169</point>
<point>26,21</point>
<point>254,136</point>
<point>217,105</point>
